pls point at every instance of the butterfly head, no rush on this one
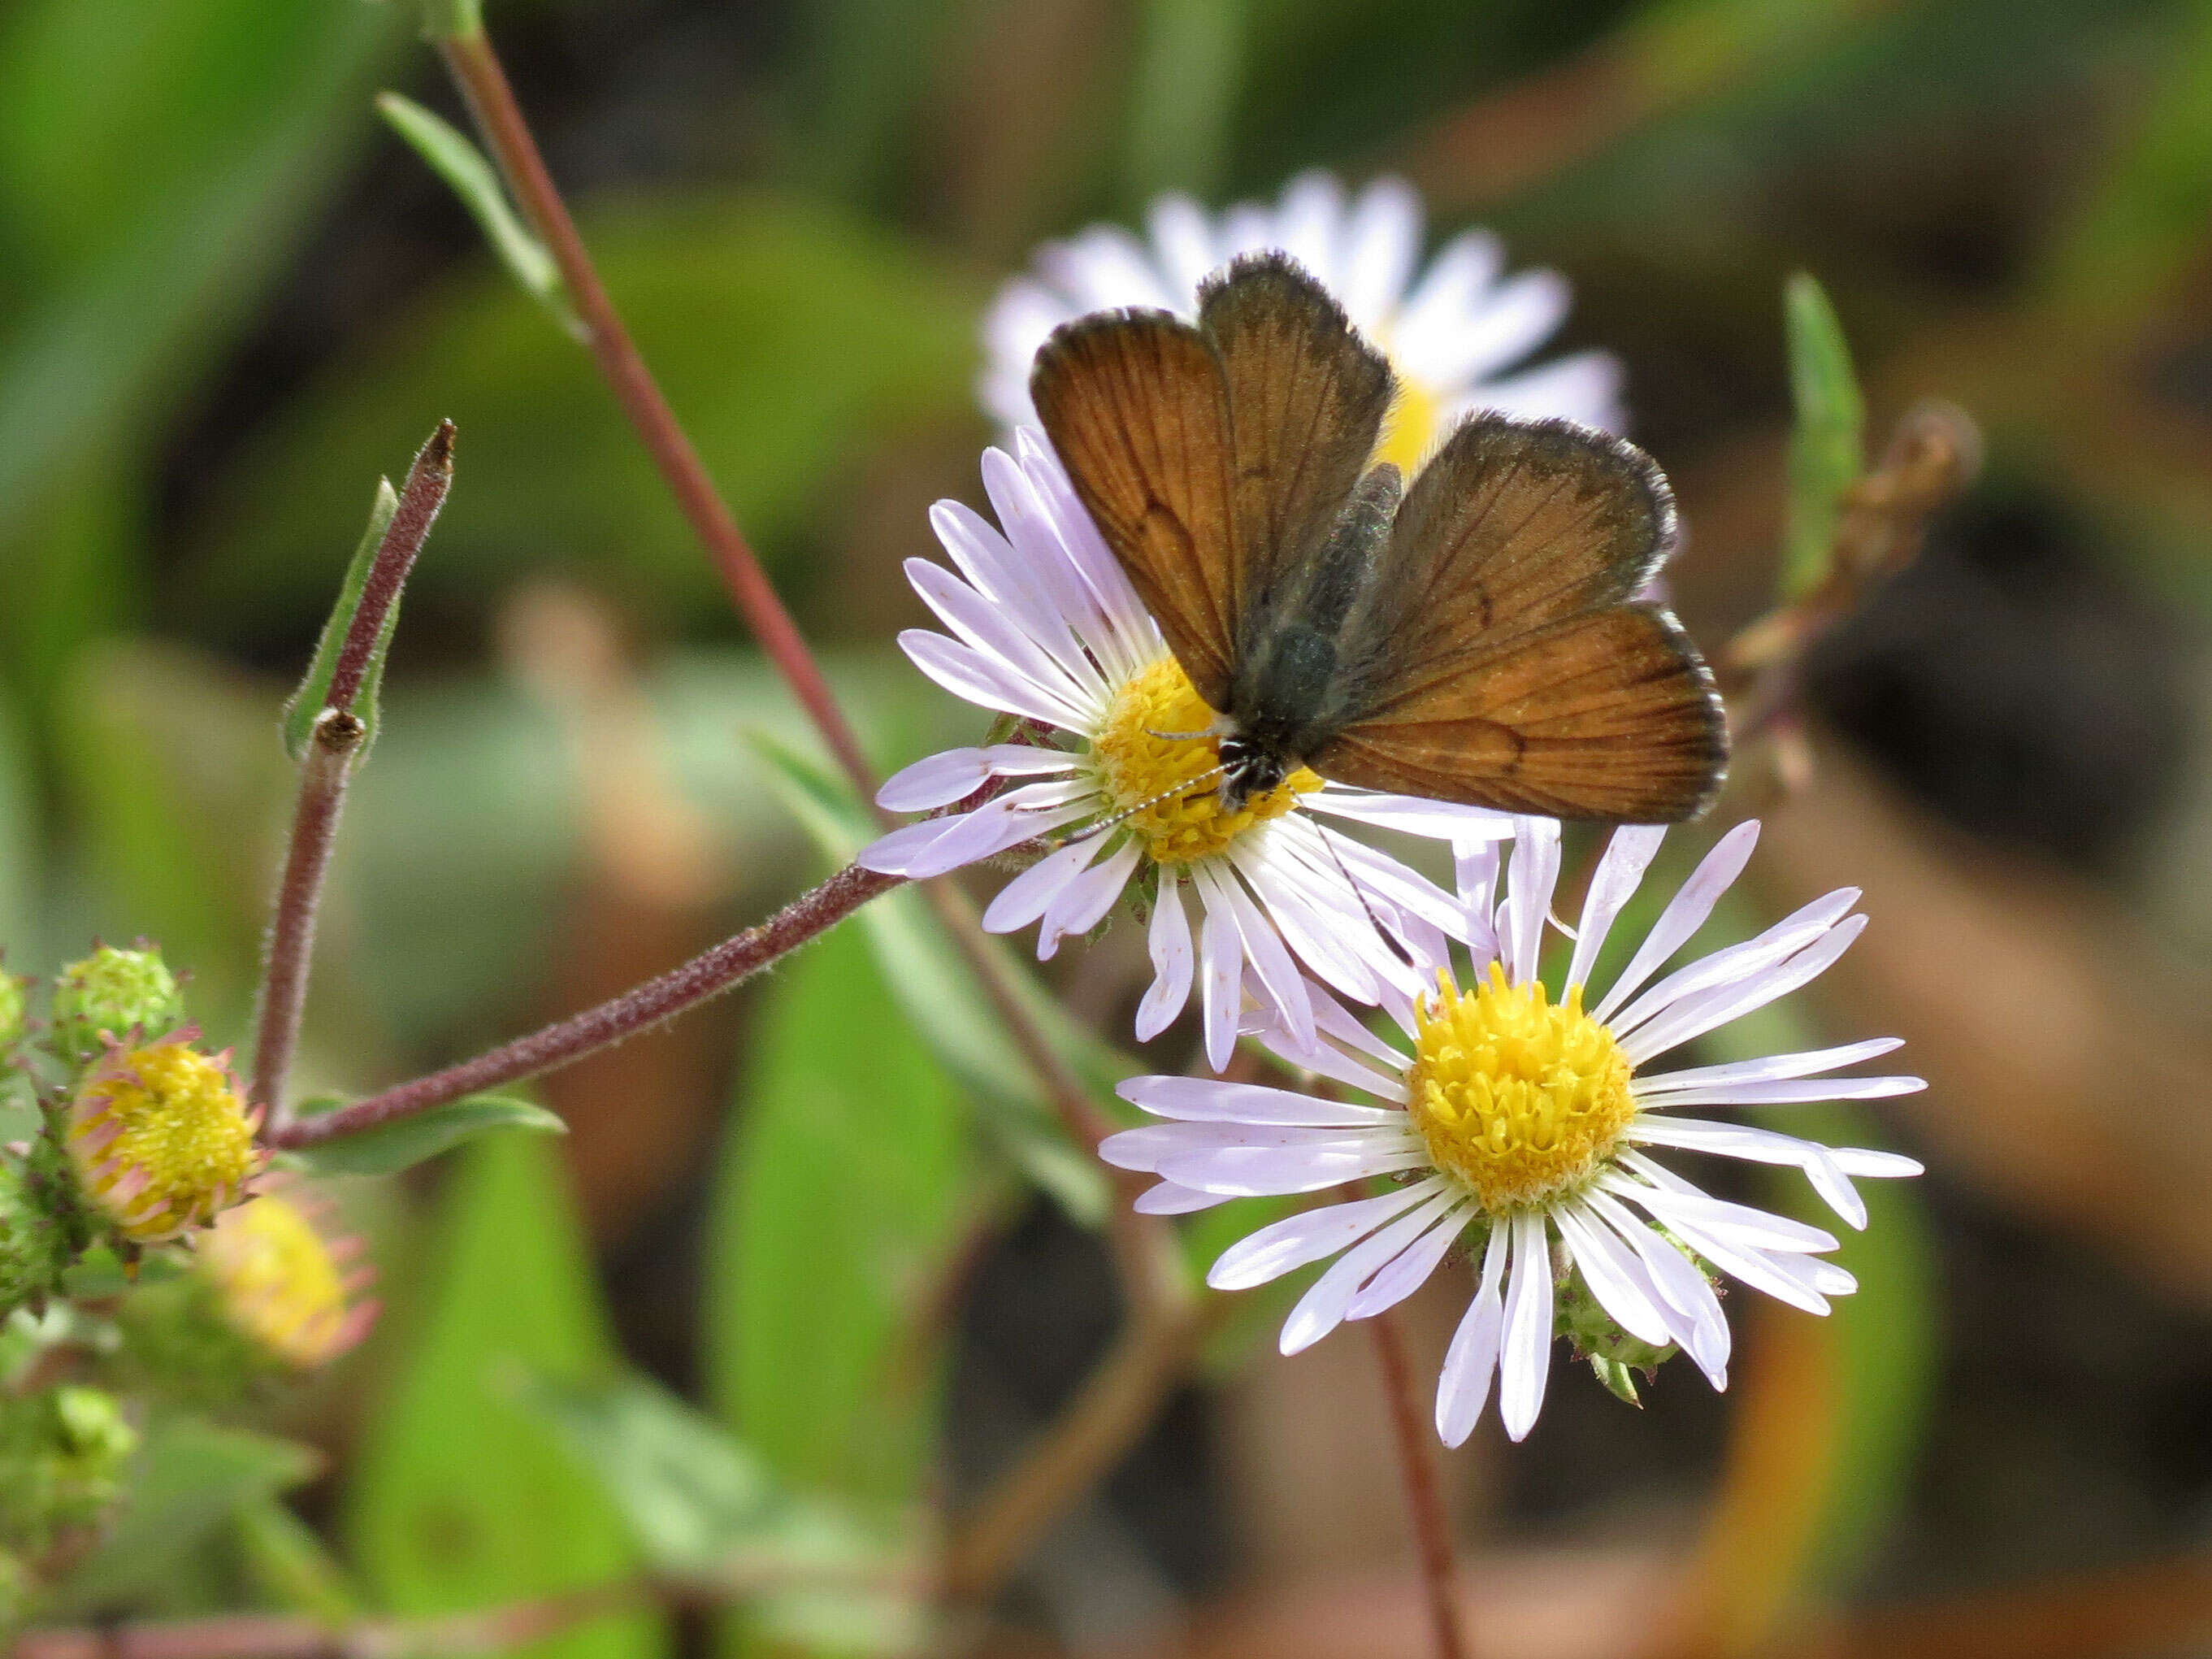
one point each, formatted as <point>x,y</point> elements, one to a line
<point>1247,770</point>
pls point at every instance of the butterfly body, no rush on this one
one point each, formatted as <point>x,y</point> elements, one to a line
<point>1471,636</point>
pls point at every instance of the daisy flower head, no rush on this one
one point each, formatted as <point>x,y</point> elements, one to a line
<point>1114,763</point>
<point>1528,1127</point>
<point>284,1282</point>
<point>1454,330</point>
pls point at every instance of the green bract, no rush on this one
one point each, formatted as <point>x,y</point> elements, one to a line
<point>114,991</point>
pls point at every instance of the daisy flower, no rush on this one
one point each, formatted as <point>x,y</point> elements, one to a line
<point>1454,331</point>
<point>1528,1128</point>
<point>1045,628</point>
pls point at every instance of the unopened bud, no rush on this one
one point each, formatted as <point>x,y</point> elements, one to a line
<point>111,996</point>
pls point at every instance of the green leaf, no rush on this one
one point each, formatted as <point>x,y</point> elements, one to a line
<point>288,1563</point>
<point>462,1497</point>
<point>450,155</point>
<point>307,703</point>
<point>946,1006</point>
<point>844,1188</point>
<point>1827,447</point>
<point>391,1147</point>
<point>452,20</point>
<point>189,1478</point>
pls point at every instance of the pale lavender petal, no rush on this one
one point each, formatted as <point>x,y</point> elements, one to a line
<point>1698,1015</point>
<point>992,828</point>
<point>1674,1283</point>
<point>1410,1269</point>
<point>1758,1146</point>
<point>1174,961</point>
<point>1313,934</point>
<point>1082,904</point>
<point>1413,815</point>
<point>996,628</point>
<point>1463,1385</point>
<point>1737,963</point>
<point>1273,1171</point>
<point>1867,1161</point>
<point>1526,1365</point>
<point>1780,1092</point>
<point>1609,1270</point>
<point>938,780</point>
<point>1754,1267</point>
<point>1757,1228</point>
<point>1530,879</point>
<point>1619,872</point>
<point>1322,1307</point>
<point>1263,949</point>
<point>1585,386</point>
<point>890,853</point>
<point>1220,979</point>
<point>1168,1199</point>
<point>1314,1234</point>
<point>1209,1100</point>
<point>1804,1064</point>
<point>1146,1148</point>
<point>1134,639</point>
<point>1685,913</point>
<point>969,674</point>
<point>1026,897</point>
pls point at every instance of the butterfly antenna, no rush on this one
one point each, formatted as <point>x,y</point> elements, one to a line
<point>1397,945</point>
<point>1103,825</point>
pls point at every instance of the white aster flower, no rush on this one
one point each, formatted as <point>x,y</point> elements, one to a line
<point>1528,1127</point>
<point>1454,333</point>
<point>1047,629</point>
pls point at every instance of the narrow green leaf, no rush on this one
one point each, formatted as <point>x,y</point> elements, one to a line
<point>307,702</point>
<point>949,1009</point>
<point>462,1497</point>
<point>391,1147</point>
<point>452,20</point>
<point>845,1186</point>
<point>1827,447</point>
<point>453,158</point>
<point>290,1565</point>
<point>189,1478</point>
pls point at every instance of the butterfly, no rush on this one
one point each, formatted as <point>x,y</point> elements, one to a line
<point>1471,636</point>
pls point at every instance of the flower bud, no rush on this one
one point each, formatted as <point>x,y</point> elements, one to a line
<point>1614,1355</point>
<point>11,1014</point>
<point>62,1452</point>
<point>160,1137</point>
<point>35,1239</point>
<point>110,995</point>
<point>280,1285</point>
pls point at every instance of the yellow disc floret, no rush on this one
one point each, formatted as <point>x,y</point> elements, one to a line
<point>277,1283</point>
<point>1180,818</point>
<point>1521,1099</point>
<point>1410,427</point>
<point>162,1138</point>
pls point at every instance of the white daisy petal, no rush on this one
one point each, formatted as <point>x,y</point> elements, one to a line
<point>1697,1015</point>
<point>1685,913</point>
<point>1463,1387</point>
<point>1781,1093</point>
<point>1220,981</point>
<point>1410,1269</point>
<point>1619,872</point>
<point>1322,1307</point>
<point>1082,904</point>
<point>1284,1245</point>
<point>978,677</point>
<point>1207,1100</point>
<point>1530,880</point>
<point>1805,1064</point>
<point>1879,1165</point>
<point>1585,386</point>
<point>1758,1146</point>
<point>1168,1199</point>
<point>1697,1321</point>
<point>1148,1147</point>
<point>1279,1171</point>
<point>1439,820</point>
<point>1435,311</point>
<point>1029,895</point>
<point>1738,962</point>
<point>1612,1273</point>
<point>1526,1364</point>
<point>1381,240</point>
<point>1174,961</point>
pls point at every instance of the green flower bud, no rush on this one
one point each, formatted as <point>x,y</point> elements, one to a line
<point>35,1241</point>
<point>1614,1356</point>
<point>11,1014</point>
<point>116,992</point>
<point>62,1454</point>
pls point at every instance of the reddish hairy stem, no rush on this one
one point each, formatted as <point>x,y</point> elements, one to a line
<point>1432,1533</point>
<point>476,67</point>
<point>427,480</point>
<point>323,778</point>
<point>705,975</point>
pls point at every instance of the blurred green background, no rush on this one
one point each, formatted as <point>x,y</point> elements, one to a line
<point>229,299</point>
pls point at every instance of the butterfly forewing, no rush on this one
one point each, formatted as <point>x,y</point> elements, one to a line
<point>1133,403</point>
<point>1306,397</point>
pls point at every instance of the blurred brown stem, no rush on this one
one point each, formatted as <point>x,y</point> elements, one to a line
<point>500,120</point>
<point>324,775</point>
<point>1424,1503</point>
<point>706,975</point>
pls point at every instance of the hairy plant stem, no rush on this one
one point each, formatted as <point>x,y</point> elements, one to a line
<point>1432,1532</point>
<point>707,974</point>
<point>282,998</point>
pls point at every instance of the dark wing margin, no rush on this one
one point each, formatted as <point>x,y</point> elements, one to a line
<point>1307,398</point>
<point>1134,404</point>
<point>1610,715</point>
<point>1513,525</point>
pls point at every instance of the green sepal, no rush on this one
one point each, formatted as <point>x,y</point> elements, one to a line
<point>1618,1377</point>
<point>449,154</point>
<point>390,1147</point>
<point>1827,446</point>
<point>307,703</point>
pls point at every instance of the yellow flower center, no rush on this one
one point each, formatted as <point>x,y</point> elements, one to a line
<point>161,1138</point>
<point>1411,426</point>
<point>277,1283</point>
<point>1521,1100</point>
<point>1182,819</point>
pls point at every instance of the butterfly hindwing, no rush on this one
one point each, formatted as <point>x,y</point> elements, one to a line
<point>1134,402</point>
<point>1609,714</point>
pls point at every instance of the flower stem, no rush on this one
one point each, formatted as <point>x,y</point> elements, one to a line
<point>325,773</point>
<point>705,975</point>
<point>476,66</point>
<point>1432,1532</point>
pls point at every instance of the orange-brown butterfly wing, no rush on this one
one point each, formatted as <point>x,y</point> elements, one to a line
<point>1307,398</point>
<point>1135,403</point>
<point>1609,714</point>
<point>1494,659</point>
